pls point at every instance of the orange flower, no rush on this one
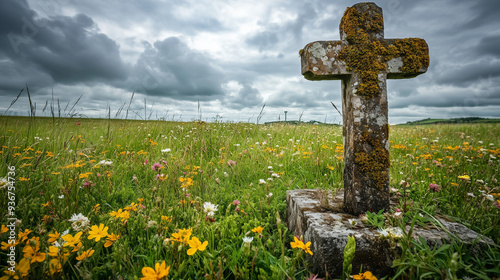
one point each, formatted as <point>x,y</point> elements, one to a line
<point>366,275</point>
<point>53,237</point>
<point>159,272</point>
<point>258,229</point>
<point>98,232</point>
<point>111,239</point>
<point>85,254</point>
<point>196,245</point>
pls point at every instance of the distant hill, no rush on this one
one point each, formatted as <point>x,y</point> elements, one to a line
<point>301,122</point>
<point>451,121</point>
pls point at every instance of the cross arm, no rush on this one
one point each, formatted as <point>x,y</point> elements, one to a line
<point>406,58</point>
<point>320,61</point>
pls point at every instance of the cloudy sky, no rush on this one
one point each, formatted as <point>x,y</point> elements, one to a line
<point>225,59</point>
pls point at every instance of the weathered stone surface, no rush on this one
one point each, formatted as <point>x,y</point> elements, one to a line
<point>328,230</point>
<point>364,60</point>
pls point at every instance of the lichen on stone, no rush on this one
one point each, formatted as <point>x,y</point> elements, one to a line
<point>375,163</point>
<point>367,52</point>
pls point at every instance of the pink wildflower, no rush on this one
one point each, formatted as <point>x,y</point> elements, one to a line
<point>156,166</point>
<point>497,205</point>
<point>435,187</point>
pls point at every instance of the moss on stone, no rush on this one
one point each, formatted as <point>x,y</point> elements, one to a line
<point>375,163</point>
<point>367,55</point>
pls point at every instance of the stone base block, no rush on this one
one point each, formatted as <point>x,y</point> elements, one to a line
<point>328,229</point>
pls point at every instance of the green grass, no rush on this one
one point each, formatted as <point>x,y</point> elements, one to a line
<point>57,174</point>
<point>469,120</point>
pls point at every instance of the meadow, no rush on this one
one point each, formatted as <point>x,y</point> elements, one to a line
<point>127,199</point>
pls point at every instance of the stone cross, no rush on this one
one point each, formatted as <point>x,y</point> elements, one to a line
<point>364,60</point>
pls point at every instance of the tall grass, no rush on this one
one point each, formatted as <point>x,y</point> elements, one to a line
<point>162,174</point>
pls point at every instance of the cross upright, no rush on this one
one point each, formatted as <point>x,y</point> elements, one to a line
<point>363,60</point>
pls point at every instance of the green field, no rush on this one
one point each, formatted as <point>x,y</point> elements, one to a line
<point>208,199</point>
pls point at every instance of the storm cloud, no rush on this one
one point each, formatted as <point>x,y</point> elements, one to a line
<point>232,57</point>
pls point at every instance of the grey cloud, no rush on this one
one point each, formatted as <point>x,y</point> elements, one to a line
<point>485,12</point>
<point>489,45</point>
<point>248,96</point>
<point>297,99</point>
<point>263,40</point>
<point>169,68</point>
<point>465,74</point>
<point>67,50</point>
<point>186,17</point>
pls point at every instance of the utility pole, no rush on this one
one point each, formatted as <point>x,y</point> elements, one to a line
<point>285,115</point>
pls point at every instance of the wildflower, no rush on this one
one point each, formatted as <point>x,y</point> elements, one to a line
<point>435,187</point>
<point>182,236</point>
<point>85,254</point>
<point>262,182</point>
<point>32,253</point>
<point>22,236</point>
<point>231,163</point>
<point>471,194</point>
<point>159,272</point>
<point>258,229</point>
<point>352,222</point>
<point>383,232</point>
<point>4,229</point>
<point>105,162</point>
<point>297,243</point>
<point>497,204</point>
<point>53,237</point>
<point>124,215</point>
<point>489,197</point>
<point>110,239</point>
<point>307,248</point>
<point>156,166</point>
<point>167,150</point>
<point>236,202</point>
<point>247,240</point>
<point>151,224</point>
<point>98,232</point>
<point>53,251</point>
<point>366,275</point>
<point>269,195</point>
<point>3,183</point>
<point>21,269</point>
<point>132,207</point>
<point>80,222</point>
<point>166,218</point>
<point>71,240</point>
<point>395,232</point>
<point>210,208</point>
<point>196,245</point>
<point>54,266</point>
<point>464,177</point>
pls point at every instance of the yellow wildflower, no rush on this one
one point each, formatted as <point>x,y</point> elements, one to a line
<point>258,229</point>
<point>366,275</point>
<point>85,254</point>
<point>98,232</point>
<point>159,272</point>
<point>196,245</point>
<point>111,238</point>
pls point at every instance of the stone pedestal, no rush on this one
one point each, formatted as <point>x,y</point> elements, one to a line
<point>328,229</point>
